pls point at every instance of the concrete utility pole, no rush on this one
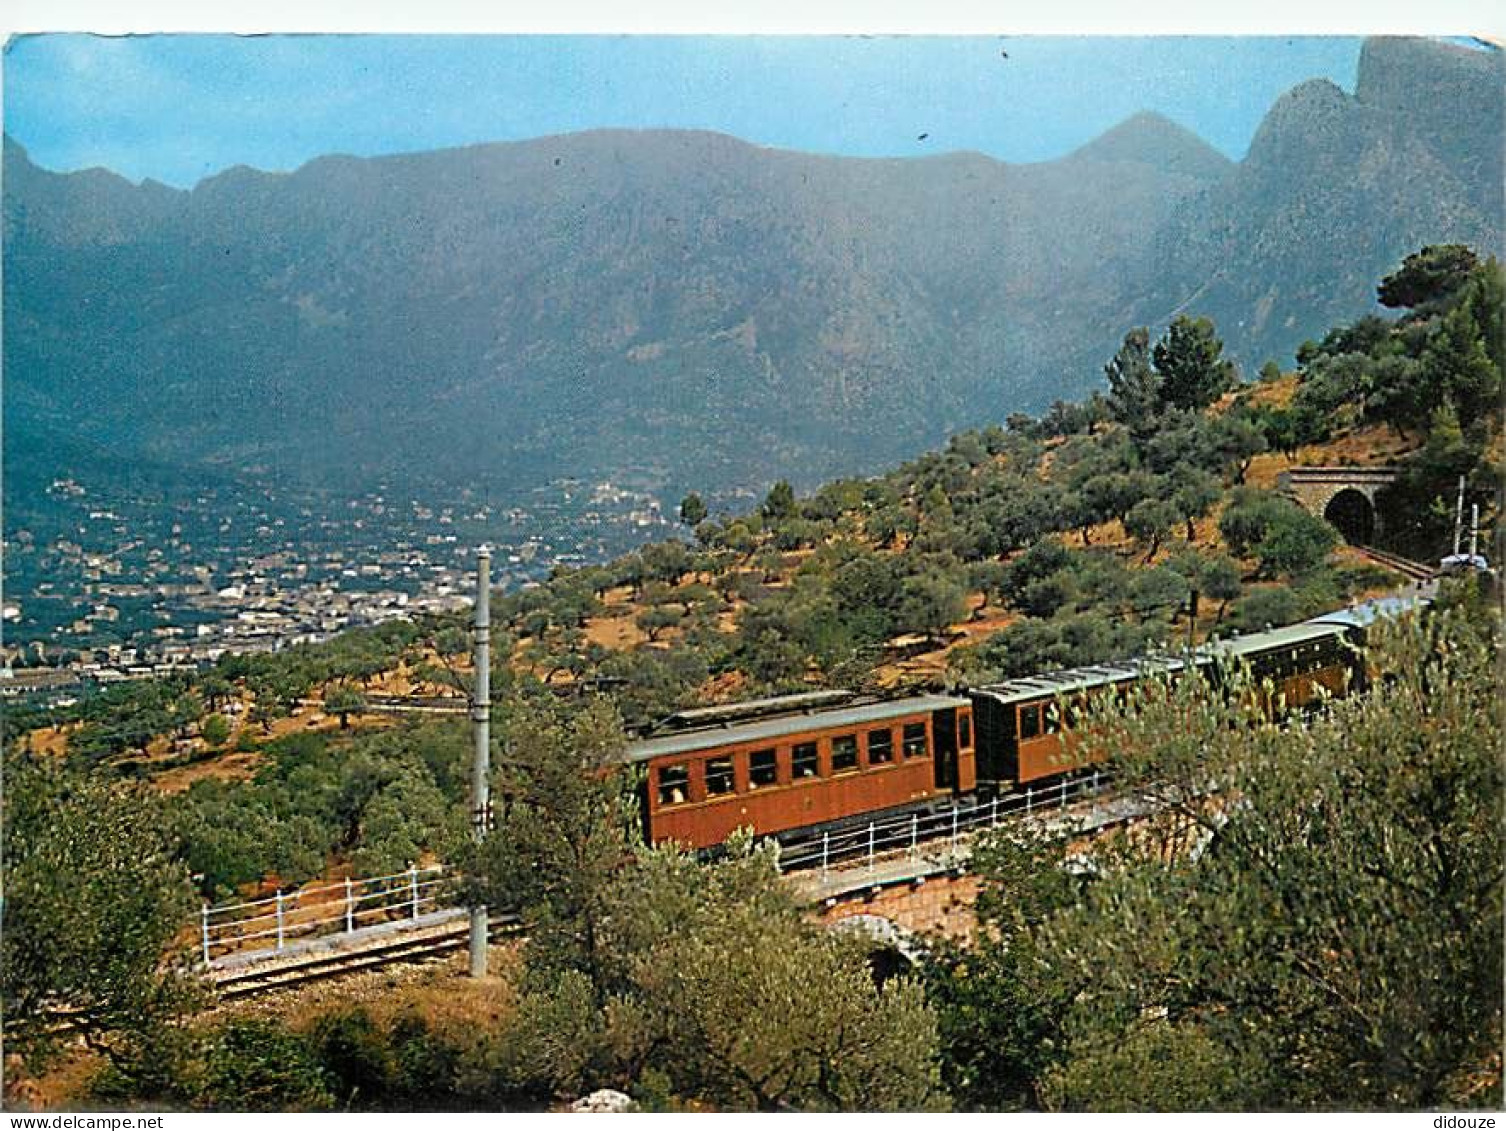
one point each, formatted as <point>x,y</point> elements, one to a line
<point>481,729</point>
<point>1459,517</point>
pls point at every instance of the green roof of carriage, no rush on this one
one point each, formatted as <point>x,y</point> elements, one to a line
<point>1239,646</point>
<point>1050,684</point>
<point>783,726</point>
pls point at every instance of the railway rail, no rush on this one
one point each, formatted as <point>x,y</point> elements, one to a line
<point>1417,571</point>
<point>251,981</point>
<point>415,705</point>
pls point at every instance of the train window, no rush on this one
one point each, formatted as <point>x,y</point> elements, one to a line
<point>719,778</point>
<point>1030,720</point>
<point>674,784</point>
<point>964,731</point>
<point>804,762</point>
<point>880,747</point>
<point>763,769</point>
<point>914,742</point>
<point>1052,718</point>
<point>844,753</point>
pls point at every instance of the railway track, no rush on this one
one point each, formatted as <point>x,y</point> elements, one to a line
<point>1417,571</point>
<point>270,979</point>
<point>416,705</point>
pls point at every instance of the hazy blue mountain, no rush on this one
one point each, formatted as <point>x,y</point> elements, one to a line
<point>583,299</point>
<point>691,305</point>
<point>1333,193</point>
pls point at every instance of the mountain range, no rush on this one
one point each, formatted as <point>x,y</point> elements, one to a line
<point>693,309</point>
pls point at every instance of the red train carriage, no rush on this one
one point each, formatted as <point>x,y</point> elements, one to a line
<point>792,769</point>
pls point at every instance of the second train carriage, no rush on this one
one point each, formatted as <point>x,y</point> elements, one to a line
<point>1021,729</point>
<point>1020,732</point>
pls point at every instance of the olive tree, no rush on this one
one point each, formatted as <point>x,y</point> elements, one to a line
<point>94,897</point>
<point>342,700</point>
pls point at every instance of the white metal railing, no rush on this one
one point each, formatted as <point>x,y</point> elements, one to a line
<point>907,833</point>
<point>272,923</point>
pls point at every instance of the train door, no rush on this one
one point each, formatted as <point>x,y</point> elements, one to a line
<point>944,736</point>
<point>645,804</point>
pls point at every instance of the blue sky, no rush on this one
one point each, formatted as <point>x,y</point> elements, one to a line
<point>178,108</point>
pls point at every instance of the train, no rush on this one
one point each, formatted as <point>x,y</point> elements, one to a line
<point>796,766</point>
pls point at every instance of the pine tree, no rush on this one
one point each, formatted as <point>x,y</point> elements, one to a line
<point>1457,366</point>
<point>692,510</point>
<point>1134,387</point>
<point>1190,360</point>
<point>780,502</point>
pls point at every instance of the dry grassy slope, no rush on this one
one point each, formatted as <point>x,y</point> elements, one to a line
<point>1362,446</point>
<point>173,764</point>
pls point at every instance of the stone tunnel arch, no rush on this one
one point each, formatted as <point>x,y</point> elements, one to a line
<point>1352,513</point>
<point>1345,496</point>
<point>892,950</point>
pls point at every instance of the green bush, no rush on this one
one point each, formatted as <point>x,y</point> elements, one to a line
<point>215,730</point>
<point>356,1057</point>
<point>255,1065</point>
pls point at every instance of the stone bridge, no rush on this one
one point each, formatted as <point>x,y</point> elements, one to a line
<point>1345,496</point>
